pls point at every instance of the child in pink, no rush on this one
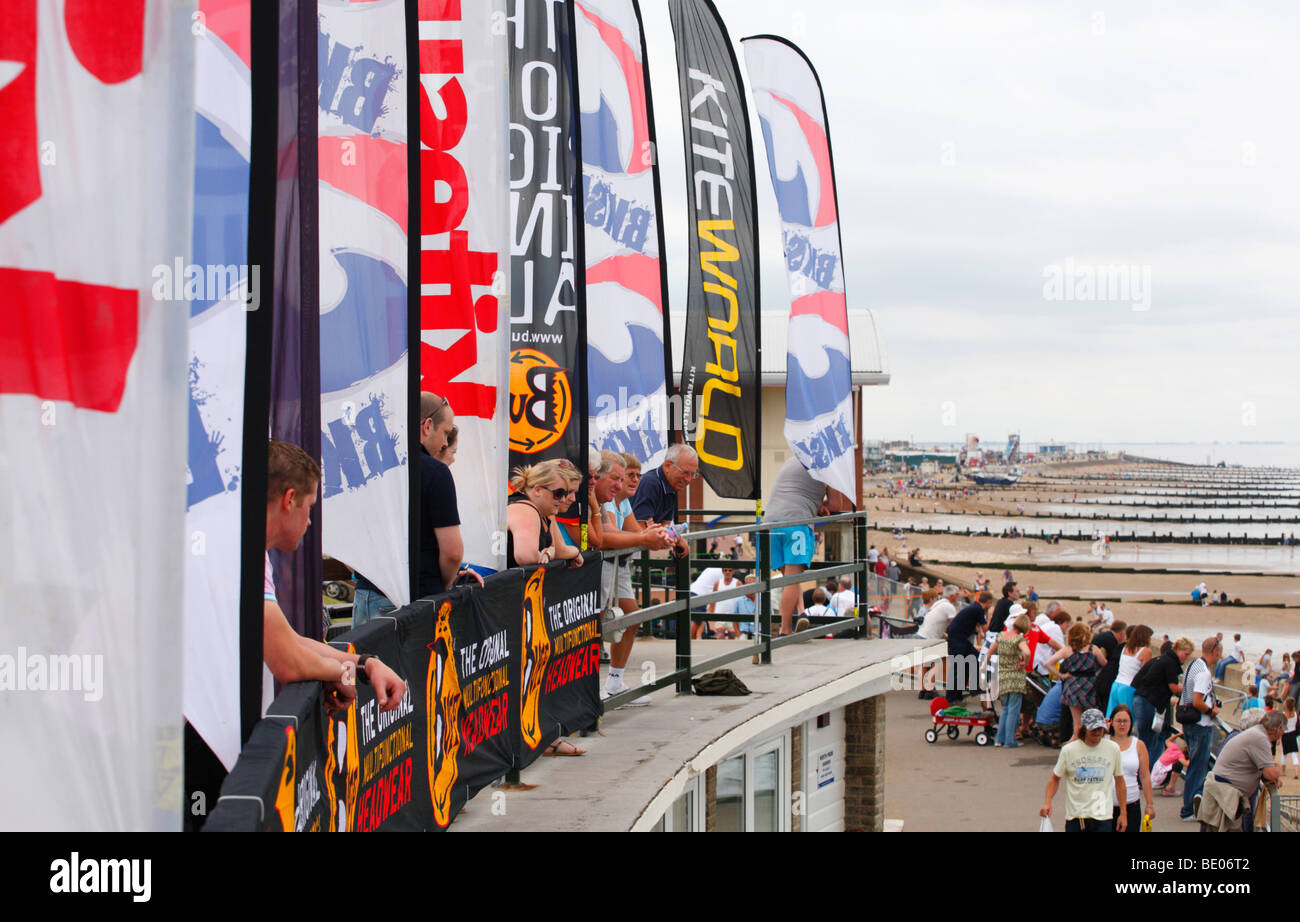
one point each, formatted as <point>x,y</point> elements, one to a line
<point>1163,771</point>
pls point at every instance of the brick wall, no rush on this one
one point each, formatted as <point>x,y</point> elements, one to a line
<point>864,769</point>
<point>711,799</point>
<point>796,775</point>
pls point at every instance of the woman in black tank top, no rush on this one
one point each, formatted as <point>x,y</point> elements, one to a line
<point>540,492</point>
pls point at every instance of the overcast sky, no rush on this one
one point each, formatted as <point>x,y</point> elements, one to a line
<point>977,146</point>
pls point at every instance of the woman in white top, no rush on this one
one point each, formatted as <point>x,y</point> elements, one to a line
<point>1136,653</point>
<point>1137,769</point>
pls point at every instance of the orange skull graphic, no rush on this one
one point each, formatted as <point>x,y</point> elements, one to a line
<point>442,703</point>
<point>537,653</point>
<point>351,767</point>
<point>286,794</point>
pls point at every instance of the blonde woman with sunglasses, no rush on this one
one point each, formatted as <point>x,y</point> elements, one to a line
<point>540,491</point>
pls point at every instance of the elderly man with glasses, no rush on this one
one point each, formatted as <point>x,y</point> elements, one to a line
<point>656,496</point>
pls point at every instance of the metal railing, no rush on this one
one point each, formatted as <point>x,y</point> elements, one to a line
<point>680,609</point>
<point>1284,810</point>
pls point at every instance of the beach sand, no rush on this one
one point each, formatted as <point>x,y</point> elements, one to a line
<point>1139,588</point>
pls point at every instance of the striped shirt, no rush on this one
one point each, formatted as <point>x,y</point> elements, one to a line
<point>1199,679</point>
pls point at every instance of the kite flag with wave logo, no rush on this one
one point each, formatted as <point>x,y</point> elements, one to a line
<point>627,371</point>
<point>362,146</point>
<point>818,389</point>
<point>218,347</point>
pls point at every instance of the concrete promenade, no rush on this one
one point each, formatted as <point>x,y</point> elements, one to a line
<point>957,786</point>
<point>639,762</point>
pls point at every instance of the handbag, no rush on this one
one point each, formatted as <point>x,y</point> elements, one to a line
<point>1158,722</point>
<point>1187,715</point>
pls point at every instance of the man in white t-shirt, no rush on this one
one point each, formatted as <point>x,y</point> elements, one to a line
<point>705,583</point>
<point>846,600</point>
<point>1088,765</point>
<point>1052,624</point>
<point>935,624</point>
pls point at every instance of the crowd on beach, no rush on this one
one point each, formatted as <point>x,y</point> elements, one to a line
<point>1109,695</point>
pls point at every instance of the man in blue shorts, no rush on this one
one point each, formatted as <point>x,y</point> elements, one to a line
<point>797,495</point>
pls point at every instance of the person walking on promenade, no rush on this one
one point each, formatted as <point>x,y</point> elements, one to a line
<point>1198,693</point>
<point>1013,653</point>
<point>1080,662</point>
<point>1155,683</point>
<point>1137,770</point>
<point>1087,764</point>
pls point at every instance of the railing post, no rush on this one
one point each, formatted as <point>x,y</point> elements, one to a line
<point>644,562</point>
<point>763,558</point>
<point>860,558</point>
<point>684,622</point>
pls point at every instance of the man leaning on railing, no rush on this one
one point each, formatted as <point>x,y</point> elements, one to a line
<point>797,495</point>
<point>618,530</point>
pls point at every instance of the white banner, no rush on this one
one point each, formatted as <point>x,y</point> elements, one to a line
<point>464,285</point>
<point>223,104</point>
<point>818,390</point>
<point>363,324</point>
<point>98,105</point>
<point>626,376</point>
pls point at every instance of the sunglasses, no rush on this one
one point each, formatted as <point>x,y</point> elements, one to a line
<point>561,492</point>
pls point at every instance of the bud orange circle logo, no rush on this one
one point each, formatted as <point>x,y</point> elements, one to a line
<point>541,401</point>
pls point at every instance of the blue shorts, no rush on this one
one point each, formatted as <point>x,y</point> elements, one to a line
<point>787,541</point>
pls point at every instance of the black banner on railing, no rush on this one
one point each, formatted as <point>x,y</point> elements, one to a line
<point>720,386</point>
<point>548,401</point>
<point>561,655</point>
<point>493,676</point>
<point>468,694</point>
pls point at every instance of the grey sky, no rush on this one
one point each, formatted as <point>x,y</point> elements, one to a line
<point>977,145</point>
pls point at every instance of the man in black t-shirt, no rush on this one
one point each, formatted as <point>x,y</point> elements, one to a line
<point>441,545</point>
<point>998,620</point>
<point>1112,642</point>
<point>964,632</point>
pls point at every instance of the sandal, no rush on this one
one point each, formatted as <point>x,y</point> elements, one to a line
<point>555,749</point>
<point>1165,793</point>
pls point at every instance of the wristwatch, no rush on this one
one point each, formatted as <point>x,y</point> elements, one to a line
<point>361,667</point>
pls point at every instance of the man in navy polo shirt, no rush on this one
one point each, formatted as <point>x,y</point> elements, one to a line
<point>656,497</point>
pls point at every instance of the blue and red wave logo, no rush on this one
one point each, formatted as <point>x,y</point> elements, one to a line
<point>800,158</point>
<point>615,125</point>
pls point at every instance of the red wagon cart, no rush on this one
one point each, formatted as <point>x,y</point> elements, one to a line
<point>983,722</point>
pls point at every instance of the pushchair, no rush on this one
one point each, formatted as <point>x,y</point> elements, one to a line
<point>1051,723</point>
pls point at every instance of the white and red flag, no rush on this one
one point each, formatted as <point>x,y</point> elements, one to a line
<point>96,141</point>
